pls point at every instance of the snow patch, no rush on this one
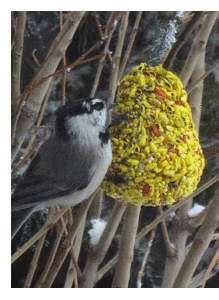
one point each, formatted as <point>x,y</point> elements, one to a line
<point>98,226</point>
<point>195,210</point>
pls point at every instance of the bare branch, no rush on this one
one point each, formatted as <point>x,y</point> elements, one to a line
<point>126,248</point>
<point>199,245</point>
<point>198,46</point>
<point>17,54</point>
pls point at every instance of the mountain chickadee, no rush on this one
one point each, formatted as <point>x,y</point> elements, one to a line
<point>70,165</point>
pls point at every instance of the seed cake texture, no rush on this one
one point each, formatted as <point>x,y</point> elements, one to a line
<point>157,149</point>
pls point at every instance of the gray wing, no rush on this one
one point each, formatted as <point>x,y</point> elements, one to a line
<point>52,174</point>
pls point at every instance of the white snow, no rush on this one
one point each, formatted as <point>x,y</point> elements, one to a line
<point>195,210</point>
<point>139,284</point>
<point>98,226</point>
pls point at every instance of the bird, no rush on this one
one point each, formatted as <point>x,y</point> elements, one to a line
<point>70,165</point>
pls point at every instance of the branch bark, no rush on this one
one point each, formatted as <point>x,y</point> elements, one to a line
<point>17,54</point>
<point>126,248</point>
<point>97,252</point>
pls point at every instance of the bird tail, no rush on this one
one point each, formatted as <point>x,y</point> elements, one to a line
<point>18,218</point>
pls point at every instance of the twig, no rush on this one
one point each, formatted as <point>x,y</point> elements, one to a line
<point>213,262</point>
<point>17,54</point>
<point>35,59</point>
<point>64,65</point>
<point>131,42</point>
<point>126,247</point>
<point>147,252</point>
<point>116,58</point>
<point>103,58</point>
<point>211,69</point>
<point>182,39</point>
<point>171,251</point>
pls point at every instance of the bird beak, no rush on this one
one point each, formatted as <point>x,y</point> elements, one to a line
<point>111,105</point>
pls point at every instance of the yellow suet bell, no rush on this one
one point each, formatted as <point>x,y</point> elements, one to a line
<point>157,150</point>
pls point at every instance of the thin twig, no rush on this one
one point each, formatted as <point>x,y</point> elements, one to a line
<point>147,252</point>
<point>131,42</point>
<point>211,69</point>
<point>213,262</point>
<point>171,251</point>
<point>116,58</point>
<point>35,58</point>
<point>64,65</point>
<point>103,58</point>
<point>17,54</point>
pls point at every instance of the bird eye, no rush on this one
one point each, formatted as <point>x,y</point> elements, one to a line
<point>98,106</point>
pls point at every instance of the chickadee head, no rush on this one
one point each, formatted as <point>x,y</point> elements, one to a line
<point>86,115</point>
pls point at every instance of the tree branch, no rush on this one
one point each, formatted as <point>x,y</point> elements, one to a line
<point>126,248</point>
<point>200,244</point>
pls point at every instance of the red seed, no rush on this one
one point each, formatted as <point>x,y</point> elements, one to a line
<point>160,93</point>
<point>178,102</point>
<point>146,189</point>
<point>155,131</point>
<point>184,138</point>
<point>173,150</point>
